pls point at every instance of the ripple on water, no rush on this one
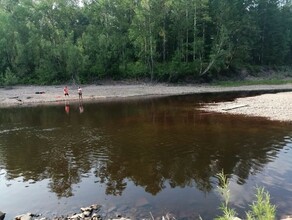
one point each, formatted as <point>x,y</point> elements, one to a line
<point>7,131</point>
<point>280,169</point>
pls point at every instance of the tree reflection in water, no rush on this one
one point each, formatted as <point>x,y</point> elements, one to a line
<point>153,143</point>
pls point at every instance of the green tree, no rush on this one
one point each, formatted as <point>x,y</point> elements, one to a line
<point>271,47</point>
<point>54,41</point>
<point>143,32</point>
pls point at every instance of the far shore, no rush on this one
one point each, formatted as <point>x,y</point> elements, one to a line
<point>273,106</point>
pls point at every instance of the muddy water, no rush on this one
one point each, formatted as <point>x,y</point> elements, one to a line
<point>137,157</point>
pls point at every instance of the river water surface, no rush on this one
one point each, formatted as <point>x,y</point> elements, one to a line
<point>136,157</point>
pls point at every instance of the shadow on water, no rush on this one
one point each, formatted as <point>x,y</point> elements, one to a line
<point>157,144</point>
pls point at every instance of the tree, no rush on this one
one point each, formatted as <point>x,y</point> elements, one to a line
<point>271,46</point>
<point>143,32</point>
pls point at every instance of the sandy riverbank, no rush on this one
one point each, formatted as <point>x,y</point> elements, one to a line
<point>274,106</point>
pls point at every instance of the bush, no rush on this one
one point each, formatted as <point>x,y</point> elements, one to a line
<point>134,70</point>
<point>9,78</point>
<point>261,209</point>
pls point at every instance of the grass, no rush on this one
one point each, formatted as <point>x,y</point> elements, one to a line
<point>223,189</point>
<point>258,75</point>
<point>260,209</point>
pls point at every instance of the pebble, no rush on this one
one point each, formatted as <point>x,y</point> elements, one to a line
<point>87,209</point>
<point>27,216</point>
<point>90,213</point>
<point>87,213</point>
<point>95,207</point>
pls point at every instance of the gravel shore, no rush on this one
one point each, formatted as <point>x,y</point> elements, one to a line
<point>273,106</point>
<point>276,106</point>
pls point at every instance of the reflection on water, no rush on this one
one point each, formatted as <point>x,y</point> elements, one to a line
<point>162,149</point>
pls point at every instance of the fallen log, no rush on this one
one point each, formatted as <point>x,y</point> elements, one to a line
<point>234,107</point>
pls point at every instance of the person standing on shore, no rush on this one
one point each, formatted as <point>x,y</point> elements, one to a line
<point>66,91</point>
<point>67,106</point>
<point>80,93</point>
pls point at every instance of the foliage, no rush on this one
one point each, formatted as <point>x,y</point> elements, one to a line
<point>48,41</point>
<point>223,188</point>
<point>9,78</point>
<point>261,209</point>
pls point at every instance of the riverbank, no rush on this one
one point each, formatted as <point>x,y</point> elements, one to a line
<point>273,106</point>
<point>36,95</point>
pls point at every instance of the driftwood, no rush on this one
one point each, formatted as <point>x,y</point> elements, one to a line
<point>234,107</point>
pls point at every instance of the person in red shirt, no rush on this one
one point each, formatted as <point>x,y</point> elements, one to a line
<point>66,91</point>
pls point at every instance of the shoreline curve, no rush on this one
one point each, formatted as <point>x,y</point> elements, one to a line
<point>276,106</point>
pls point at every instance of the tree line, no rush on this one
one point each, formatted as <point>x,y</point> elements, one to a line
<point>55,41</point>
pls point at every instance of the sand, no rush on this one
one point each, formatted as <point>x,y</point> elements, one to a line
<point>272,106</point>
<point>277,107</point>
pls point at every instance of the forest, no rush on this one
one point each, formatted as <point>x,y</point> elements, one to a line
<point>57,41</point>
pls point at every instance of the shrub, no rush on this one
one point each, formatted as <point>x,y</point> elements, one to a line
<point>9,78</point>
<point>261,209</point>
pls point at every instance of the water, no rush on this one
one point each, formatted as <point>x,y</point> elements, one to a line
<point>134,157</point>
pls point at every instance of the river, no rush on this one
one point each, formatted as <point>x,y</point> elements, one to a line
<point>140,156</point>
